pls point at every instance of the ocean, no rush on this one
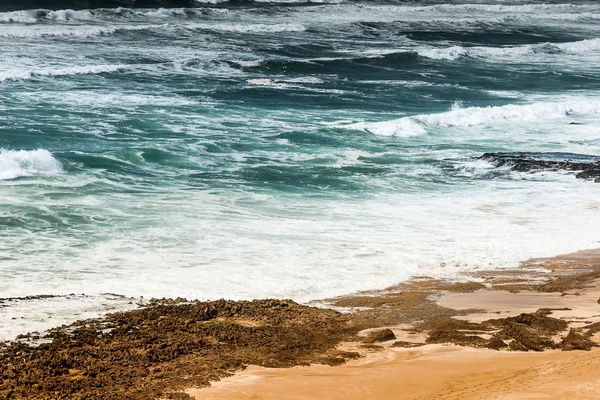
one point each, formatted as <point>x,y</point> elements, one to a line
<point>284,150</point>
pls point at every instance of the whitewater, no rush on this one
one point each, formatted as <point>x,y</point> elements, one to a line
<point>288,150</point>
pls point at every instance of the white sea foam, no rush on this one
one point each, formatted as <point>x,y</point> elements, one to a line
<point>447,53</point>
<point>529,112</point>
<point>20,316</point>
<point>105,14</point>
<point>247,63</point>
<point>206,246</point>
<point>305,79</point>
<point>579,47</point>
<point>206,243</point>
<point>23,74</point>
<point>18,16</point>
<point>33,16</point>
<point>96,99</point>
<point>462,15</point>
<point>449,13</point>
<point>36,31</point>
<point>252,28</point>
<point>488,9</point>
<point>404,127</point>
<point>69,15</point>
<point>351,157</point>
<point>66,30</point>
<point>39,31</point>
<point>583,47</point>
<point>464,117</point>
<point>260,81</point>
<point>16,164</point>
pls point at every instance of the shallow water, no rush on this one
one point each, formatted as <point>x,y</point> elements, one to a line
<point>283,150</point>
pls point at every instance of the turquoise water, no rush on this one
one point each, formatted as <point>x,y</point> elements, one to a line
<point>285,150</point>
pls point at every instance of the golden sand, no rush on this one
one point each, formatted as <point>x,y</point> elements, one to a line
<point>429,372</point>
<point>444,371</point>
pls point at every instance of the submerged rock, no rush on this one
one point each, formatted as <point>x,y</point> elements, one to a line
<point>588,167</point>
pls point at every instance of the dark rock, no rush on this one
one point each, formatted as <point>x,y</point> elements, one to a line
<point>496,343</point>
<point>531,331</point>
<point>401,343</point>
<point>460,338</point>
<point>371,346</point>
<point>380,336</point>
<point>591,173</point>
<point>451,330</point>
<point>592,329</point>
<point>527,331</point>
<point>517,346</point>
<point>540,321</point>
<point>588,167</point>
<point>525,338</point>
<point>576,341</point>
<point>155,351</point>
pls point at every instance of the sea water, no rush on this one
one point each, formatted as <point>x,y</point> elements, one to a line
<point>289,150</point>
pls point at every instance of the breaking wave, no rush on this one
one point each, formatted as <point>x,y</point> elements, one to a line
<point>24,74</point>
<point>252,28</point>
<point>19,163</point>
<point>583,47</point>
<point>464,117</point>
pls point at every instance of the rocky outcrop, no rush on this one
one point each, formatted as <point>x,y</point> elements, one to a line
<point>382,335</point>
<point>586,166</point>
<point>160,350</point>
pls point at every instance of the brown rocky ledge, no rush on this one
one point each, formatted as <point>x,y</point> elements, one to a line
<point>172,345</point>
<point>166,347</point>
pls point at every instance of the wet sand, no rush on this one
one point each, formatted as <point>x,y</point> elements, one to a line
<point>448,371</point>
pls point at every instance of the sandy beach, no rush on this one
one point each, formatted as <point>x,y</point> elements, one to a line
<point>448,371</point>
<point>299,199</point>
<point>431,372</point>
<point>526,333</point>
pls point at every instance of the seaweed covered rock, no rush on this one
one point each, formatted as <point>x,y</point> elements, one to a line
<point>172,345</point>
<point>450,330</point>
<point>382,335</point>
<point>525,332</point>
<point>576,341</point>
<point>496,343</point>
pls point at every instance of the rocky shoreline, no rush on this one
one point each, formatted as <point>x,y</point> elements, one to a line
<point>586,166</point>
<point>169,346</point>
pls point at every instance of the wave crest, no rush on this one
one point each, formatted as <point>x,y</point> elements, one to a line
<point>464,117</point>
<point>582,47</point>
<point>23,74</point>
<point>19,163</point>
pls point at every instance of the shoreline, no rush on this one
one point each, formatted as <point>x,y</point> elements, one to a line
<point>477,328</point>
<point>454,371</point>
